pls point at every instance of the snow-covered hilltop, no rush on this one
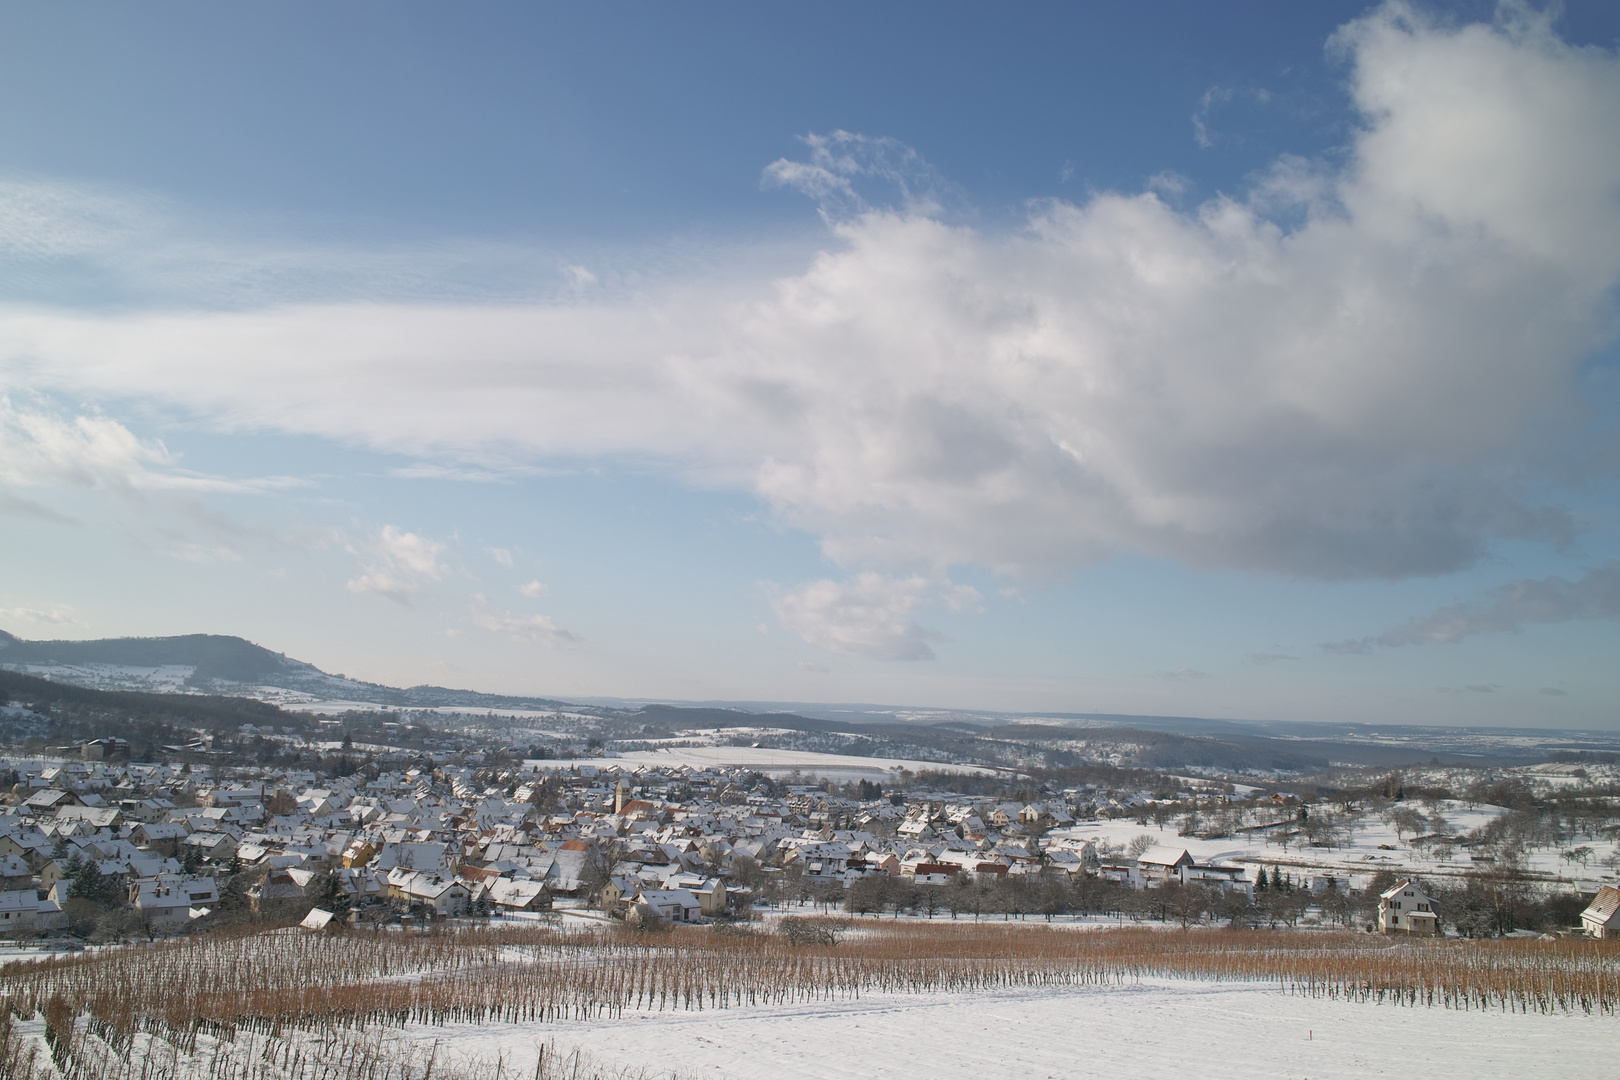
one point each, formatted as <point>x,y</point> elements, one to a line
<point>222,664</point>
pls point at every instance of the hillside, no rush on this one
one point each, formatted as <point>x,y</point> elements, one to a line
<point>227,665</point>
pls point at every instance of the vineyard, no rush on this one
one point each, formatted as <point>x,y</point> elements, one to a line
<point>306,1006</point>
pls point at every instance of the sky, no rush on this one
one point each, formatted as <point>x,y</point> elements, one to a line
<point>1253,361</point>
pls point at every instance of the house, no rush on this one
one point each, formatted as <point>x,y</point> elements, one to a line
<point>358,853</point>
<point>215,847</point>
<point>443,895</point>
<point>97,817</point>
<point>32,846</point>
<point>104,749</point>
<point>15,873</point>
<point>1214,876</point>
<point>1124,872</point>
<point>18,908</point>
<point>49,801</point>
<point>616,895</point>
<point>711,897</point>
<point>1160,866</point>
<point>317,919</point>
<point>172,900</point>
<point>427,857</point>
<point>511,897</point>
<point>277,885</point>
<point>676,905</point>
<point>1407,909</point>
<point>1601,918</point>
<point>164,837</point>
<point>916,828</point>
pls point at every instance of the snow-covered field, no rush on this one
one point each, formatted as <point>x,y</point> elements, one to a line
<point>1159,1027</point>
<point>841,767</point>
<point>1374,846</point>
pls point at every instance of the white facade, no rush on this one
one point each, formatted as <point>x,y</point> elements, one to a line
<point>1407,909</point>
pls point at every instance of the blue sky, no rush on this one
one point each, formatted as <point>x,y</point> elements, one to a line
<point>1251,361</point>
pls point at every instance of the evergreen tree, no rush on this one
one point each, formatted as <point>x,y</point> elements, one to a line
<point>335,899</point>
<point>1260,880</point>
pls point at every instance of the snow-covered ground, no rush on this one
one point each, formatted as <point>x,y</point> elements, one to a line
<point>841,767</point>
<point>1160,1027</point>
<point>1373,846</point>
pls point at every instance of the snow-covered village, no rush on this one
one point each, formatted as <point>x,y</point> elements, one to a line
<point>926,540</point>
<point>382,848</point>
<point>110,850</point>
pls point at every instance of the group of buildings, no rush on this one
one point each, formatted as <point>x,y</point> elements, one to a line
<point>163,843</point>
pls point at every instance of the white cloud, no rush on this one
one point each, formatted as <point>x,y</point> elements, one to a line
<point>536,629</point>
<point>56,615</point>
<point>1341,397</point>
<point>501,555</point>
<point>1507,609</point>
<point>533,589</point>
<point>869,615</point>
<point>154,499</point>
<point>41,450</point>
<point>396,563</point>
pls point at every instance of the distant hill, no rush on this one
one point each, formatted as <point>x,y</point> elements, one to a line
<point>225,665</point>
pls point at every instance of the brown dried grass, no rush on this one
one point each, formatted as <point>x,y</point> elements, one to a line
<point>223,988</point>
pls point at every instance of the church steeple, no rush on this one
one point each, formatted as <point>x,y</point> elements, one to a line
<point>620,797</point>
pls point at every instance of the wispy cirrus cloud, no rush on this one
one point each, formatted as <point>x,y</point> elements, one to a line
<point>1181,675</point>
<point>1506,609</point>
<point>47,456</point>
<point>536,629</point>
<point>42,450</point>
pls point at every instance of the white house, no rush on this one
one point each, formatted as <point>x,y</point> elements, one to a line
<point>676,905</point>
<point>1601,918</point>
<point>445,896</point>
<point>1407,909</point>
<point>1214,876</point>
<point>513,896</point>
<point>171,900</point>
<point>18,909</point>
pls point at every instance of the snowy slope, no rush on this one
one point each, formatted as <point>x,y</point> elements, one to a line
<point>220,664</point>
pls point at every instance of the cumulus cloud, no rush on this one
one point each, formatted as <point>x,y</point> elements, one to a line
<point>536,629</point>
<point>1507,609</point>
<point>533,589</point>
<point>1357,392</point>
<point>868,615</point>
<point>501,555</point>
<point>396,563</point>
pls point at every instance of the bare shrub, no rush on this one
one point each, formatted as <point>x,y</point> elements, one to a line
<point>802,932</point>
